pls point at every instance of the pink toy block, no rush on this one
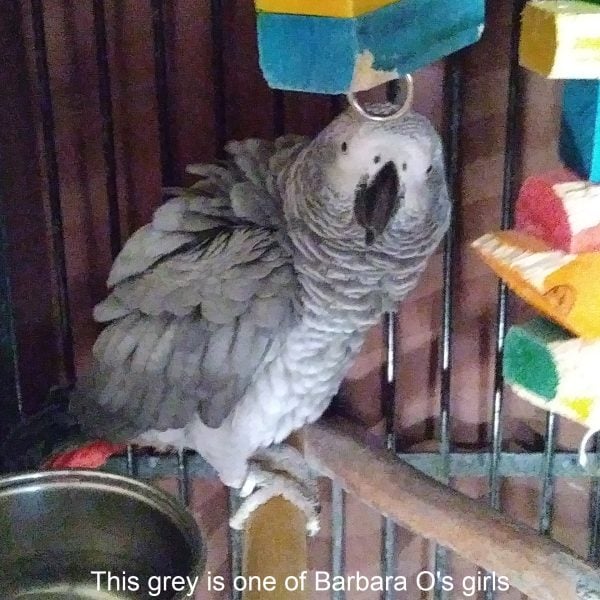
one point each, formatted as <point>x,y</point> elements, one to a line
<point>561,209</point>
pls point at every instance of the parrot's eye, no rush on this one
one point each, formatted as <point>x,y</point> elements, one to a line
<point>404,166</point>
<point>377,159</point>
<point>344,147</point>
<point>429,169</point>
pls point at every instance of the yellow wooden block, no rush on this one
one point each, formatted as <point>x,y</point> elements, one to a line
<point>579,410</point>
<point>581,407</point>
<point>322,8</point>
<point>563,287</point>
<point>561,40</point>
<point>275,552</point>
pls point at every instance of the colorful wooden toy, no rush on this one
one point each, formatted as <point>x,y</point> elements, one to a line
<point>554,371</point>
<point>563,287</point>
<point>561,40</point>
<point>560,209</point>
<point>580,131</point>
<point>340,54</point>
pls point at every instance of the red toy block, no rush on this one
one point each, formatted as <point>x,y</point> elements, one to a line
<point>562,210</point>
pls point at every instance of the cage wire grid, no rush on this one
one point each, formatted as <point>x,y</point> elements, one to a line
<point>443,465</point>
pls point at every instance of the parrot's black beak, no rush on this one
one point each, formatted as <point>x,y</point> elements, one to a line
<point>376,203</point>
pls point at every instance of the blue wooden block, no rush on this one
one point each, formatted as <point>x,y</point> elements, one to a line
<point>332,55</point>
<point>580,129</point>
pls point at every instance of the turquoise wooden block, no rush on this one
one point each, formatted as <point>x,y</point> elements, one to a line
<point>332,55</point>
<point>580,129</point>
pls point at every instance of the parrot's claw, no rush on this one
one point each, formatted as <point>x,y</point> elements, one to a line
<point>279,471</point>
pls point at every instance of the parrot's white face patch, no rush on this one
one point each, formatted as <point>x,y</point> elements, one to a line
<point>360,157</point>
<point>365,151</point>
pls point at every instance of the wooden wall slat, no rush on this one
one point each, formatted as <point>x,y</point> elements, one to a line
<point>73,80</point>
<point>193,98</point>
<point>250,102</point>
<point>24,215</point>
<point>129,26</point>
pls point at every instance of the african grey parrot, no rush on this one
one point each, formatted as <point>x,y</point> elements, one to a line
<point>234,316</point>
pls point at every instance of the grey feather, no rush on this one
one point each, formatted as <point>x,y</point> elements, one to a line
<point>110,309</point>
<point>146,246</point>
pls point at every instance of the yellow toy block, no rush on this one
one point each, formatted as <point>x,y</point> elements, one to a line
<point>275,548</point>
<point>322,8</point>
<point>561,40</point>
<point>563,287</point>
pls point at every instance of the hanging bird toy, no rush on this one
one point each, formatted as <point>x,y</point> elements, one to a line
<point>552,258</point>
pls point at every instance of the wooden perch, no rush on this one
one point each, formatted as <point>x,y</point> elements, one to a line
<point>537,566</point>
<point>275,549</point>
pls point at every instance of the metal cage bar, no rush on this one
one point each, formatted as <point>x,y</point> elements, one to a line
<point>235,538</point>
<point>594,520</point>
<point>183,480</point>
<point>462,464</point>
<point>388,404</point>
<point>11,393</point>
<point>338,536</point>
<point>236,541</point>
<point>11,397</point>
<point>109,152</point>
<point>511,162</point>
<point>278,113</point>
<point>452,99</point>
<point>132,462</point>
<point>547,494</point>
<point>218,75</point>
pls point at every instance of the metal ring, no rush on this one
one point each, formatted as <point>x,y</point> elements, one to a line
<point>410,94</point>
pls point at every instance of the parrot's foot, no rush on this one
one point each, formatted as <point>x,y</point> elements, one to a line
<point>279,471</point>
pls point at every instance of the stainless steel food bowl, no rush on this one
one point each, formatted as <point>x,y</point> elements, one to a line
<point>56,528</point>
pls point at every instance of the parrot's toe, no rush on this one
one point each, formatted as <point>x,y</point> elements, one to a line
<point>253,480</point>
<point>279,471</point>
<point>285,458</point>
<point>271,485</point>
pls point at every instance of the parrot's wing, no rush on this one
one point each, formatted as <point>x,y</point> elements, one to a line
<point>243,190</point>
<point>193,314</point>
<point>188,335</point>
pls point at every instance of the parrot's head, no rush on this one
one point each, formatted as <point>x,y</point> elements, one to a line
<point>369,182</point>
